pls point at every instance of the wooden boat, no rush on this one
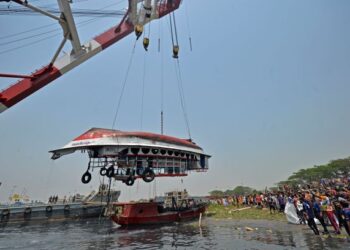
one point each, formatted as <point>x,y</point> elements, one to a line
<point>143,213</point>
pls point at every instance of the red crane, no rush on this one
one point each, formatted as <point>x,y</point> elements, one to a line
<point>134,20</point>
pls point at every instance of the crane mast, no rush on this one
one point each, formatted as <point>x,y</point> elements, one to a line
<point>134,17</point>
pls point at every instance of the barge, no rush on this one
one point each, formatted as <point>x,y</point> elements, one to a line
<point>92,206</point>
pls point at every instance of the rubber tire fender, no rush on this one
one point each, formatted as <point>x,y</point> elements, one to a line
<point>103,171</point>
<point>5,212</point>
<point>130,181</point>
<point>86,178</point>
<point>148,175</point>
<point>27,210</point>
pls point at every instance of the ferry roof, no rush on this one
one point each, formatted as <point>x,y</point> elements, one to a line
<point>100,137</point>
<point>96,133</point>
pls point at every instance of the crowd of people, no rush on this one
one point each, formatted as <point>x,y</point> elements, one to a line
<point>54,199</point>
<point>324,203</point>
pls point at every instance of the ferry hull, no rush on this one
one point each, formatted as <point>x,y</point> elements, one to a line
<point>132,215</point>
<point>49,213</point>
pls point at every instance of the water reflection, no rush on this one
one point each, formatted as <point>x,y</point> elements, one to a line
<point>214,234</point>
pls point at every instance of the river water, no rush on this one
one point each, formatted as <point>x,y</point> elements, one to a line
<point>213,234</point>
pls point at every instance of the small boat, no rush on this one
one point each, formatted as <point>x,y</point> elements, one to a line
<point>152,212</point>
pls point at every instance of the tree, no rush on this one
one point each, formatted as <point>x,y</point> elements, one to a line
<point>216,193</point>
<point>334,169</point>
<point>242,190</point>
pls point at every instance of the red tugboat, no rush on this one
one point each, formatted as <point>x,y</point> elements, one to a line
<point>142,213</point>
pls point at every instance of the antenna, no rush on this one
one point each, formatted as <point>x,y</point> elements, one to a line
<point>161,122</point>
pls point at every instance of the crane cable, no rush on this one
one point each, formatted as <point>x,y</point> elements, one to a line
<point>175,28</point>
<point>144,76</point>
<point>160,50</point>
<point>188,26</point>
<point>83,23</point>
<point>123,85</point>
<point>175,42</point>
<point>182,96</point>
<point>44,33</point>
<point>171,30</point>
<point>143,89</point>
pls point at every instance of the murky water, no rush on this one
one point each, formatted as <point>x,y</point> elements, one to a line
<point>214,234</point>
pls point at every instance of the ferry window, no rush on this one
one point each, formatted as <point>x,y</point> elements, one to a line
<point>150,161</point>
<point>163,152</point>
<point>145,150</point>
<point>177,153</point>
<point>124,152</point>
<point>202,161</point>
<point>170,152</point>
<point>182,154</point>
<point>155,151</point>
<point>135,151</point>
<point>93,154</point>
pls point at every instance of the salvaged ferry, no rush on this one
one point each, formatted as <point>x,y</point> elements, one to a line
<point>127,156</point>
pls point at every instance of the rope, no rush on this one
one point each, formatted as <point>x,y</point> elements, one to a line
<point>155,188</point>
<point>124,83</point>
<point>149,191</point>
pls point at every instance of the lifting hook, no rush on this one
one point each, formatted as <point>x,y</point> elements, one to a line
<point>146,43</point>
<point>138,30</point>
<point>176,49</point>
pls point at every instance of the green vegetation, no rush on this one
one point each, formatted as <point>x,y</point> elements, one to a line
<point>334,169</point>
<point>230,212</point>
<point>239,190</point>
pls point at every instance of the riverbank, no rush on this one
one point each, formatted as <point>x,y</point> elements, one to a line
<point>242,213</point>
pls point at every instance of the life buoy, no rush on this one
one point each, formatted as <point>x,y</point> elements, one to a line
<point>148,175</point>
<point>27,210</point>
<point>48,209</point>
<point>105,192</point>
<point>86,178</point>
<point>5,212</point>
<point>66,208</point>
<point>130,181</point>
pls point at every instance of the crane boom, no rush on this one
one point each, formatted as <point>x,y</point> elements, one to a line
<point>81,53</point>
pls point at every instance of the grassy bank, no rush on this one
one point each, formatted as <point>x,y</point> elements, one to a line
<point>221,212</point>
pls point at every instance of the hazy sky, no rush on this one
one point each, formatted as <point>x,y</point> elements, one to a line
<point>266,86</point>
